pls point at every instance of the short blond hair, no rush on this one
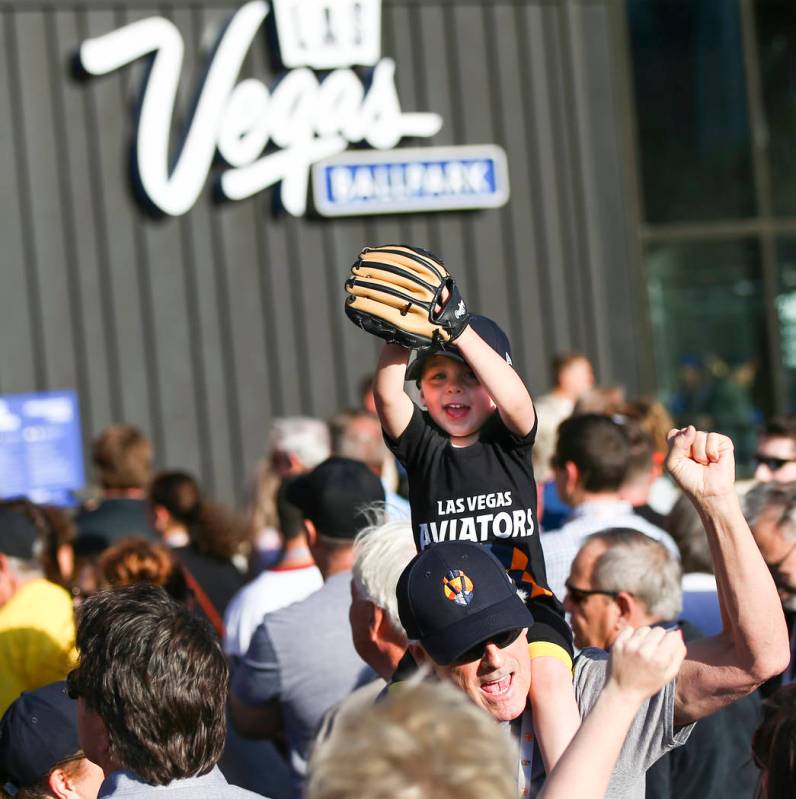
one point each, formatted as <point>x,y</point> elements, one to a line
<point>425,740</point>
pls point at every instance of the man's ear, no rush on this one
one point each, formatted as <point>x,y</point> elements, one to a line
<point>573,474</point>
<point>60,783</point>
<point>376,619</point>
<point>419,654</point>
<point>161,517</point>
<point>312,532</point>
<point>627,606</point>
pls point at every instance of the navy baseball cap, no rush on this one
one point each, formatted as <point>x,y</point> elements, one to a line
<point>456,595</point>
<point>18,535</point>
<point>37,731</point>
<point>489,331</point>
<point>334,496</point>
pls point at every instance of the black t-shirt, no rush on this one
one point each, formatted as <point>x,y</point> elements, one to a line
<point>482,493</point>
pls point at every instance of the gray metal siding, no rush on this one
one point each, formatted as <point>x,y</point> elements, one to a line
<point>200,329</point>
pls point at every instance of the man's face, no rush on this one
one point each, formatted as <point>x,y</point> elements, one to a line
<point>776,460</point>
<point>499,682</point>
<point>7,588</point>
<point>779,552</point>
<point>577,378</point>
<point>455,399</point>
<point>91,733</point>
<point>593,617</point>
<point>360,614</point>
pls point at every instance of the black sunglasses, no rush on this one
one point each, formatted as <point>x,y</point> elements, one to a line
<point>773,464</point>
<point>580,595</point>
<point>501,641</point>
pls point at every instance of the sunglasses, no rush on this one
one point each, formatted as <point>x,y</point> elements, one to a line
<point>773,464</point>
<point>580,595</point>
<point>501,641</point>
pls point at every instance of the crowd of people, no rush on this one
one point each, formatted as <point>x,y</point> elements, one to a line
<point>449,590</point>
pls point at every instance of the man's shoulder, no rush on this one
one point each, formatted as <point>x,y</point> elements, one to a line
<point>267,589</point>
<point>333,594</point>
<point>38,604</point>
<point>213,784</point>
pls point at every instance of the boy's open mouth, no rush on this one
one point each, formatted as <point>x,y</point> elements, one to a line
<point>456,410</point>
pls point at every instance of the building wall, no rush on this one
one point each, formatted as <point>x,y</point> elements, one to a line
<point>202,328</point>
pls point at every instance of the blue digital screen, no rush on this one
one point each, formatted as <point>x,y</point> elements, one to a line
<point>41,452</point>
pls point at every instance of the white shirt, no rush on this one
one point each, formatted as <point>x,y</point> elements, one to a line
<point>560,546</point>
<point>273,589</point>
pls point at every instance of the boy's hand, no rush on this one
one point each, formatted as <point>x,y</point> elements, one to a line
<point>405,296</point>
<point>645,660</point>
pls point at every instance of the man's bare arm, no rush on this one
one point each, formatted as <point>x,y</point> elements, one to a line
<point>504,385</point>
<point>641,663</point>
<point>753,646</point>
<point>393,404</point>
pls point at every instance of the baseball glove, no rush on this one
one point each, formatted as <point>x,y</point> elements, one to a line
<point>394,292</point>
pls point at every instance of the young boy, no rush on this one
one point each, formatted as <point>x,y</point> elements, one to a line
<point>468,458</point>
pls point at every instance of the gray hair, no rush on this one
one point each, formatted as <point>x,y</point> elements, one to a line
<point>641,566</point>
<point>763,496</point>
<point>381,553</point>
<point>307,438</point>
<point>26,568</point>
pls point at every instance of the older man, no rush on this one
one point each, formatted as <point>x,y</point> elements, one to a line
<point>622,578</point>
<point>470,627</point>
<point>592,458</point>
<point>37,628</point>
<point>771,512</point>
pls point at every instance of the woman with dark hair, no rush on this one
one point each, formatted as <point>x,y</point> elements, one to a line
<point>204,536</point>
<point>774,745</point>
<point>40,755</point>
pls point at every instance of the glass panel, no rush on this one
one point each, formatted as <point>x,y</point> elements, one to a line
<point>786,313</point>
<point>776,39</point>
<point>708,324</point>
<point>690,96</point>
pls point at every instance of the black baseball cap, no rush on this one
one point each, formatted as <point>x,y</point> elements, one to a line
<point>455,595</point>
<point>489,331</point>
<point>37,731</point>
<point>334,496</point>
<point>18,535</point>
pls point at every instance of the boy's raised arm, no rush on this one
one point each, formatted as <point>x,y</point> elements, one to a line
<point>393,404</point>
<point>504,385</point>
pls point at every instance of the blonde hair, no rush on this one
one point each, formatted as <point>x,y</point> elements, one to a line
<point>425,740</point>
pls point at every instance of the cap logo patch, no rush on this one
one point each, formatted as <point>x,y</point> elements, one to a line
<point>458,587</point>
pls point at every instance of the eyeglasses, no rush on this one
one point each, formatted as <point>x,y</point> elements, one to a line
<point>580,595</point>
<point>501,641</point>
<point>73,684</point>
<point>772,464</point>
